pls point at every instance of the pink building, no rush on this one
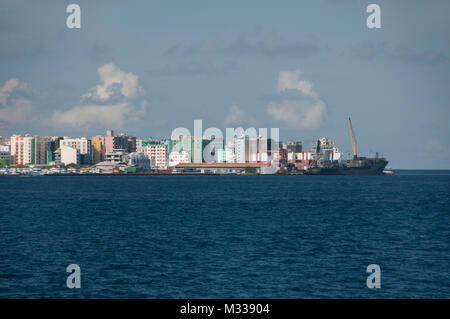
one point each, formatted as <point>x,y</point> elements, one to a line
<point>112,142</point>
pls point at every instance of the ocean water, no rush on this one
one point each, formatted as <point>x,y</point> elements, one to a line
<point>226,236</point>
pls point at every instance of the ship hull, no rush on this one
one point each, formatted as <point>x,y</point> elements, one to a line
<point>375,168</point>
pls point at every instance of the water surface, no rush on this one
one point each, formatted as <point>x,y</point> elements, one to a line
<point>226,236</point>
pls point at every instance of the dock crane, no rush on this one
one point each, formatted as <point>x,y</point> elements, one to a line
<point>352,136</point>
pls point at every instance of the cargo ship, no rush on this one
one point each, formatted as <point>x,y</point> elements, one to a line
<point>355,166</point>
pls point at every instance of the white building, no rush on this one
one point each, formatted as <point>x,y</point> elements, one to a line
<point>69,155</point>
<point>159,155</point>
<point>116,156</point>
<point>139,147</point>
<point>83,145</point>
<point>5,148</point>
<point>22,149</point>
<point>241,149</point>
<point>176,158</point>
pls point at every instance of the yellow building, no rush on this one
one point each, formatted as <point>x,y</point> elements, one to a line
<point>98,152</point>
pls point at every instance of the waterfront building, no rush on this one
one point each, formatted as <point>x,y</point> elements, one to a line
<point>130,143</point>
<point>83,145</point>
<point>149,142</point>
<point>241,149</point>
<point>69,155</point>
<point>141,160</point>
<point>139,147</point>
<point>193,145</point>
<point>22,149</point>
<point>107,142</point>
<point>52,146</point>
<point>112,142</point>
<point>116,156</point>
<point>40,150</point>
<point>197,150</point>
<point>57,156</point>
<point>97,150</point>
<point>106,167</point>
<point>5,155</point>
<point>225,155</point>
<point>225,168</point>
<point>176,158</point>
<point>159,156</point>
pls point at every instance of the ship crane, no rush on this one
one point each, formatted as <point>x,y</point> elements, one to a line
<point>352,136</point>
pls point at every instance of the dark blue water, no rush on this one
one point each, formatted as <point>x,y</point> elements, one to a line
<point>226,236</point>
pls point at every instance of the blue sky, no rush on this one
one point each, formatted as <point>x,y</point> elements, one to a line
<point>147,67</point>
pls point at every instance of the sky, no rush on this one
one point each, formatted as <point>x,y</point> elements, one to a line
<point>147,67</point>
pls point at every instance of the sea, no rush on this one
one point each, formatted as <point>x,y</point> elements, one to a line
<point>226,236</point>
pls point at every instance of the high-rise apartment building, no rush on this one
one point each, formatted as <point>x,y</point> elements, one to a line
<point>158,155</point>
<point>22,149</point>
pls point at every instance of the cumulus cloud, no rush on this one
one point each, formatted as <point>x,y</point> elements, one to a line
<point>299,105</point>
<point>109,104</point>
<point>114,81</point>
<point>15,108</point>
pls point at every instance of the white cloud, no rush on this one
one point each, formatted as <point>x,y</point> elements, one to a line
<point>291,80</point>
<point>114,81</point>
<point>107,104</point>
<point>304,110</point>
<point>15,109</point>
<point>90,115</point>
<point>235,115</point>
<point>298,113</point>
<point>17,112</point>
<point>238,116</point>
<point>7,88</point>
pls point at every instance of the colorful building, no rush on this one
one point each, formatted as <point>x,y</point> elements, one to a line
<point>22,149</point>
<point>97,150</point>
